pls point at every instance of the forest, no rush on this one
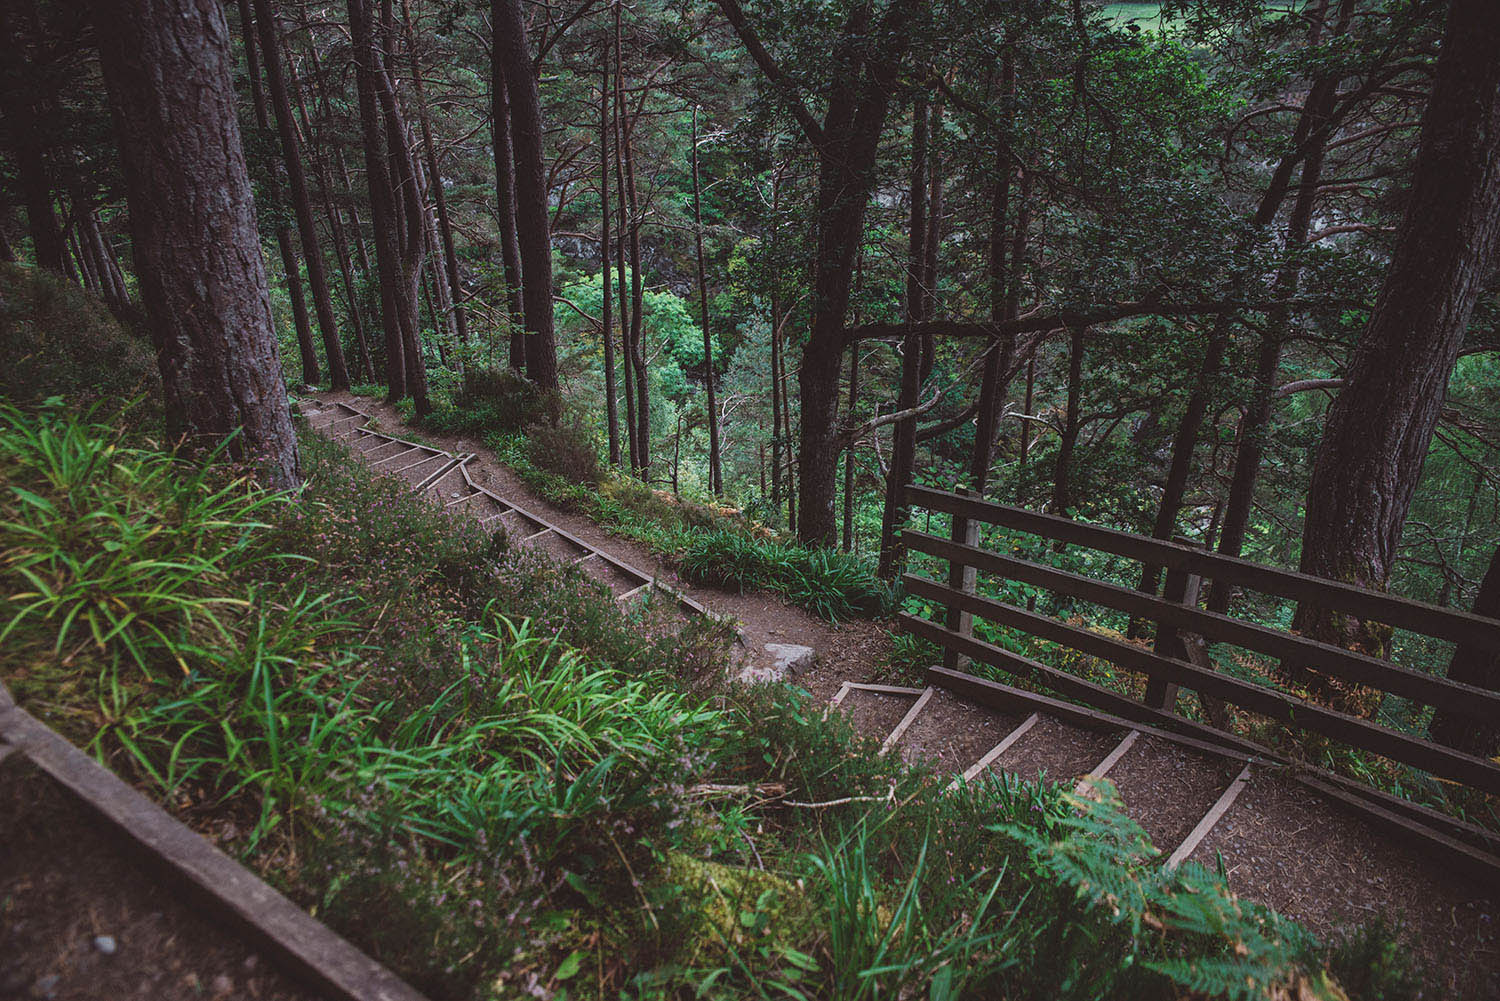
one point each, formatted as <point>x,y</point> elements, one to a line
<point>425,426</point>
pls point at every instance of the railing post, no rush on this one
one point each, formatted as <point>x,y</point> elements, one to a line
<point>1182,588</point>
<point>961,577</point>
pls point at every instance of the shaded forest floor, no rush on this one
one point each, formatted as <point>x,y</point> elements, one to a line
<point>1278,844</point>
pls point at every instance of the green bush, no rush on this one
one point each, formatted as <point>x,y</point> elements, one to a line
<point>490,400</point>
<point>58,340</point>
<point>829,584</point>
<point>566,450</point>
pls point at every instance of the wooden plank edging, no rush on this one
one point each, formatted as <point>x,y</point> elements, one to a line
<point>304,946</point>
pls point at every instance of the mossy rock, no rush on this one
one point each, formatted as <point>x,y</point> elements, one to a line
<point>737,906</point>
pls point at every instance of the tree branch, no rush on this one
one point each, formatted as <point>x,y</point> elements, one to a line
<point>741,25</point>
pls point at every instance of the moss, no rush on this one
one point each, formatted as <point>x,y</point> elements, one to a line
<point>737,907</point>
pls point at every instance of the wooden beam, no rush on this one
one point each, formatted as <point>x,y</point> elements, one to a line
<point>1210,819</point>
<point>1110,760</point>
<point>906,721</point>
<point>1429,689</point>
<point>863,686</point>
<point>1417,616</point>
<point>991,756</point>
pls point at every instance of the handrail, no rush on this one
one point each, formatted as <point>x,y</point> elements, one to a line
<point>1406,613</point>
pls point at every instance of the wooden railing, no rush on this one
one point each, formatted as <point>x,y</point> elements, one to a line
<point>1179,659</point>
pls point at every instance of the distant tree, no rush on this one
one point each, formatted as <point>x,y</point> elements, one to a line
<point>168,66</point>
<point>291,151</point>
<point>1379,428</point>
<point>533,227</point>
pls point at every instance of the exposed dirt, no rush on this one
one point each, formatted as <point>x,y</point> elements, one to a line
<point>1280,844</point>
<point>68,895</point>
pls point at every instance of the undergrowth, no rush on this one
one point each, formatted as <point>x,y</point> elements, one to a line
<point>478,768</point>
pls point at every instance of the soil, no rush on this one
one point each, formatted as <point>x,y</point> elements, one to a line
<point>66,889</point>
<point>1279,844</point>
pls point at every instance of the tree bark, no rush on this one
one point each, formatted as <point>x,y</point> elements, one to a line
<point>383,210</point>
<point>1062,486</point>
<point>715,469</point>
<point>505,212</point>
<point>289,266</point>
<point>167,65</point>
<point>455,290</point>
<point>336,227</point>
<point>1475,666</point>
<point>1003,305</point>
<point>611,403</point>
<point>904,436</point>
<point>312,252</point>
<point>532,222</point>
<point>1380,426</point>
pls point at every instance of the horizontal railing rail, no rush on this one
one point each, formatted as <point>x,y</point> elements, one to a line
<point>1405,613</point>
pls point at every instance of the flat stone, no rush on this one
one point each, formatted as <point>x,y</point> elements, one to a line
<point>105,944</point>
<point>787,659</point>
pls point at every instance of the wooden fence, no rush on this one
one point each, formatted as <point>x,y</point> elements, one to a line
<point>1177,659</point>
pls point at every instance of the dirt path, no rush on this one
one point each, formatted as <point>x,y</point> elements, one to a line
<point>1279,844</point>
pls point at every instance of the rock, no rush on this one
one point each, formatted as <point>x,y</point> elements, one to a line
<point>787,659</point>
<point>46,986</point>
<point>105,944</point>
<point>221,987</point>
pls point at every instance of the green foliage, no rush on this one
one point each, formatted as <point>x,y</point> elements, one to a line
<point>57,339</point>
<point>117,551</point>
<point>831,585</point>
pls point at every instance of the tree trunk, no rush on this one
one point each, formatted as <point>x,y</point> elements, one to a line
<point>1003,304</point>
<point>532,223</point>
<point>382,197</point>
<point>335,226</point>
<point>1473,665</point>
<point>293,271</point>
<point>1307,142</point>
<point>1379,428</point>
<point>611,404</point>
<point>904,436</point>
<point>931,238</point>
<point>168,67</point>
<point>634,344</point>
<point>1062,487</point>
<point>454,295</point>
<point>312,252</point>
<point>849,452</point>
<point>505,212</point>
<point>412,224</point>
<point>775,269</point>
<point>715,469</point>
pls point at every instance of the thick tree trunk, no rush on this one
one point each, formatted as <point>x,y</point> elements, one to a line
<point>168,67</point>
<point>1379,428</point>
<point>532,223</point>
<point>715,469</point>
<point>849,452</point>
<point>1475,666</point>
<point>312,252</point>
<point>611,403</point>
